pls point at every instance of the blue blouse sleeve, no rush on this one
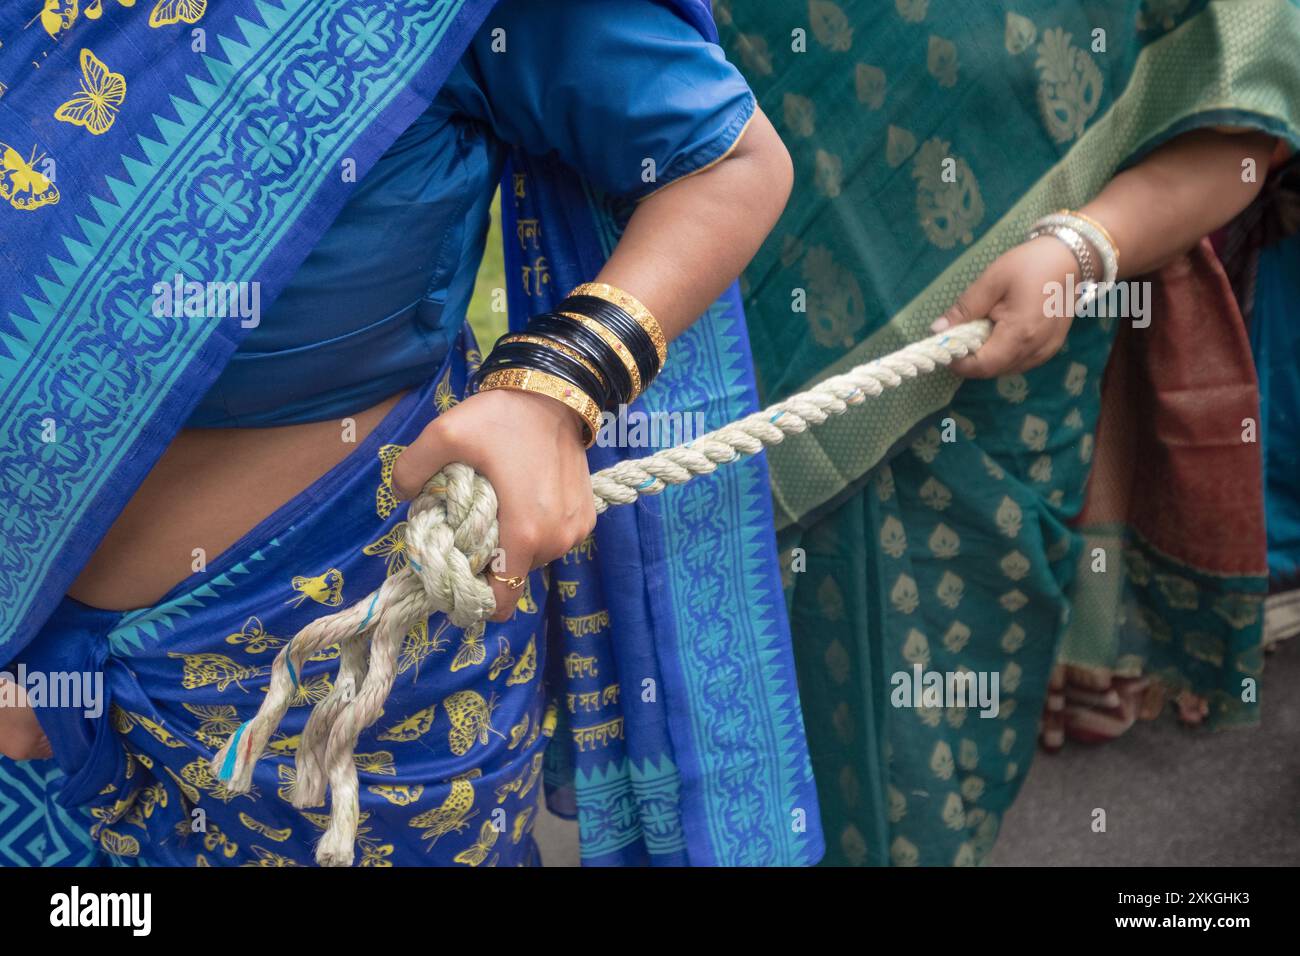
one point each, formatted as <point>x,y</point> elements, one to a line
<point>606,85</point>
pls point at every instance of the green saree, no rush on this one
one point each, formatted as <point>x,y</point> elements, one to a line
<point>935,527</point>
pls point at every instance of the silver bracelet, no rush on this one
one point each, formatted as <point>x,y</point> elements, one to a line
<point>1098,239</point>
<point>1083,256</point>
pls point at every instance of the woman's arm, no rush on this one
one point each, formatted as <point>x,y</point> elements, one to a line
<point>686,243</point>
<point>683,246</point>
<point>1155,211</point>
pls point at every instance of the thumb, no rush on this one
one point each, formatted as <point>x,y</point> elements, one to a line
<point>976,302</point>
<point>422,459</point>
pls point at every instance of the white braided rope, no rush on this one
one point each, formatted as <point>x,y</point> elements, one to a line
<point>451,535</point>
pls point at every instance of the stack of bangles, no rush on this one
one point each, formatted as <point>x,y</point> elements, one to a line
<point>1094,249</point>
<point>597,351</point>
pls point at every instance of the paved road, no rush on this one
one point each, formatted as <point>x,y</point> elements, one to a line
<point>1172,797</point>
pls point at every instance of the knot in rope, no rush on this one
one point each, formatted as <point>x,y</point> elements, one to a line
<point>451,536</point>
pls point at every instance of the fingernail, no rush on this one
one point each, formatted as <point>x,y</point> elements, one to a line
<point>939,324</point>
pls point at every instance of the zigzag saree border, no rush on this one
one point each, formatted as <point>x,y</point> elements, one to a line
<point>96,384</point>
<point>757,699</point>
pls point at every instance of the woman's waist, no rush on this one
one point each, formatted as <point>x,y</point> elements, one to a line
<point>209,488</point>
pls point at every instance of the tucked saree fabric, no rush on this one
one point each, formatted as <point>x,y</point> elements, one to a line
<point>933,529</point>
<point>700,764</point>
<point>451,773</point>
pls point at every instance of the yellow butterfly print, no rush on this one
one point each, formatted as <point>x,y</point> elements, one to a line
<point>198,773</point>
<point>521,825</point>
<point>391,546</point>
<point>398,794</point>
<point>472,652</point>
<point>527,667</point>
<point>152,796</point>
<point>523,783</point>
<point>214,838</point>
<point>479,850</point>
<point>375,854</point>
<point>101,96</point>
<point>526,604</point>
<point>95,9</point>
<point>443,397</point>
<point>412,728</point>
<point>380,762</point>
<point>279,836</point>
<point>124,720</point>
<point>200,670</point>
<point>471,717</point>
<point>107,816</point>
<point>473,359</point>
<point>190,792</point>
<point>201,860</point>
<point>533,776</point>
<point>117,844</point>
<point>385,496</point>
<point>418,645</point>
<point>309,692</point>
<point>218,723</point>
<point>455,812</point>
<point>266,858</point>
<point>167,12</point>
<point>143,759</point>
<point>324,588</point>
<point>285,746</point>
<point>288,775</point>
<point>253,635</point>
<point>503,659</point>
<point>517,732</point>
<point>551,719</point>
<point>21,184</point>
<point>58,15</point>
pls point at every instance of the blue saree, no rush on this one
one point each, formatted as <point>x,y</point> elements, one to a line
<point>701,761</point>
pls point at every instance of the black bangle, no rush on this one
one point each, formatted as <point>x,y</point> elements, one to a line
<point>591,347</point>
<point>543,359</point>
<point>624,326</point>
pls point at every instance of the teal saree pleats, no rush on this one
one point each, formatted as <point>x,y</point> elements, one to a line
<point>933,533</point>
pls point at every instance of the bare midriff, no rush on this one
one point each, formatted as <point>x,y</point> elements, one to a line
<point>210,487</point>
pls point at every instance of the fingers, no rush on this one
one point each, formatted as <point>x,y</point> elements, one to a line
<point>1004,352</point>
<point>515,561</point>
<point>422,459</point>
<point>977,301</point>
<point>525,546</point>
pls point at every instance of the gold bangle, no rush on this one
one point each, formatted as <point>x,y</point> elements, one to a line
<point>542,383</point>
<point>555,347</point>
<point>633,307</point>
<point>1096,225</point>
<point>614,342</point>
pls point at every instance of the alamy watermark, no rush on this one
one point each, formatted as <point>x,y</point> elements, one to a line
<point>78,690</point>
<point>638,429</point>
<point>922,688</point>
<point>133,911</point>
<point>1130,299</point>
<point>209,300</point>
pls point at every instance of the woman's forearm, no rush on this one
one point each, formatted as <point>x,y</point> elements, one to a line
<point>687,242</point>
<point>1183,191</point>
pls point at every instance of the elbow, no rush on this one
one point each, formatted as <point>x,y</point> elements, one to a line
<point>773,176</point>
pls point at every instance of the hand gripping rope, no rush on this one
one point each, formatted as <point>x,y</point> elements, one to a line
<point>452,531</point>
